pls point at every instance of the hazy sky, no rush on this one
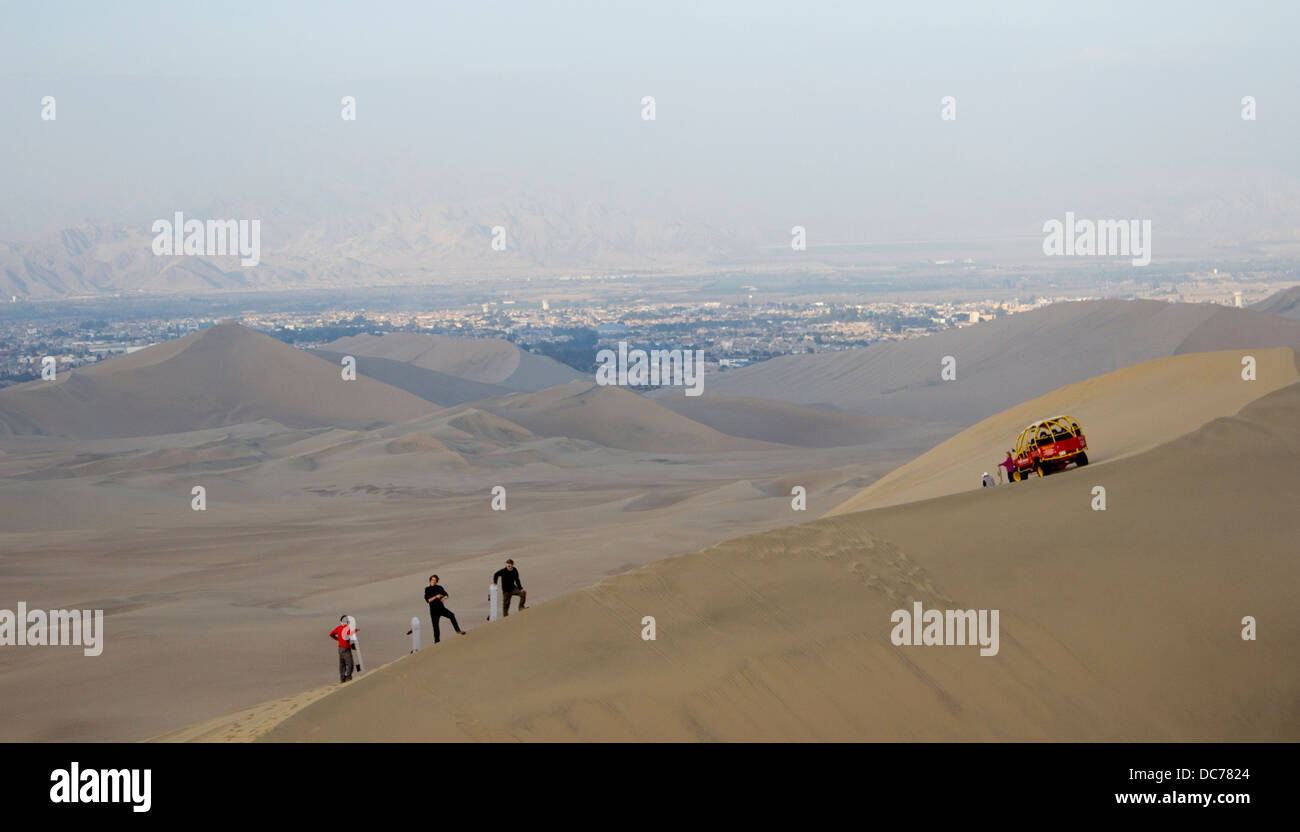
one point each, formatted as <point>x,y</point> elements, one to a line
<point>768,114</point>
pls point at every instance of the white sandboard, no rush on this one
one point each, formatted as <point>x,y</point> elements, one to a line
<point>494,602</point>
<point>352,637</point>
<point>415,634</point>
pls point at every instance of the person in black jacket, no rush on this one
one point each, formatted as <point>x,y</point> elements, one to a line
<point>435,595</point>
<point>511,585</point>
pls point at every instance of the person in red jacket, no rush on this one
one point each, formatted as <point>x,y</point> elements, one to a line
<point>343,634</point>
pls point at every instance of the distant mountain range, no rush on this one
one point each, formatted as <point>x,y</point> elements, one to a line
<point>416,244</point>
<point>306,246</point>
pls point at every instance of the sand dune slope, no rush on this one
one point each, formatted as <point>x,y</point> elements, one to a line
<point>768,420</point>
<point>442,389</point>
<point>224,375</point>
<point>615,418</point>
<point>1116,624</point>
<point>1285,303</point>
<point>483,360</point>
<point>1121,413</point>
<point>481,424</point>
<point>1007,361</point>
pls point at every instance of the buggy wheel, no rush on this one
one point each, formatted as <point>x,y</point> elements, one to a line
<point>1081,460</point>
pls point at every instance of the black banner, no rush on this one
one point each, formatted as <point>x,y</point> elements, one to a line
<point>349,783</point>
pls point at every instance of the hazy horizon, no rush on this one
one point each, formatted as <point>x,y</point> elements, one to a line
<point>825,116</point>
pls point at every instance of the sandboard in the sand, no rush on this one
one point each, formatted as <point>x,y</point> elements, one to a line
<point>352,637</point>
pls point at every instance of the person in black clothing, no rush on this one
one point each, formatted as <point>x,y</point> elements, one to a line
<point>435,595</point>
<point>511,585</point>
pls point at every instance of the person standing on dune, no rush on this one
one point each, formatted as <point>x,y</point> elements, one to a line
<point>343,633</point>
<point>1009,464</point>
<point>434,595</point>
<point>511,585</point>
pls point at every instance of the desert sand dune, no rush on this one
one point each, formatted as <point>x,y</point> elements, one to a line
<point>489,361</point>
<point>323,443</point>
<point>212,456</point>
<point>416,443</point>
<point>769,420</point>
<point>1285,303</point>
<point>1121,413</point>
<point>1238,329</point>
<point>33,456</point>
<point>442,389</point>
<point>224,375</point>
<point>214,611</point>
<point>615,418</point>
<point>245,725</point>
<point>1004,362</point>
<point>484,425</point>
<point>1122,624</point>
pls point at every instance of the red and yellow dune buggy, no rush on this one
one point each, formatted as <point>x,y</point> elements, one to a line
<point>1047,447</point>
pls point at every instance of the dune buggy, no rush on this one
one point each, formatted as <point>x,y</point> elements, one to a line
<point>1047,447</point>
